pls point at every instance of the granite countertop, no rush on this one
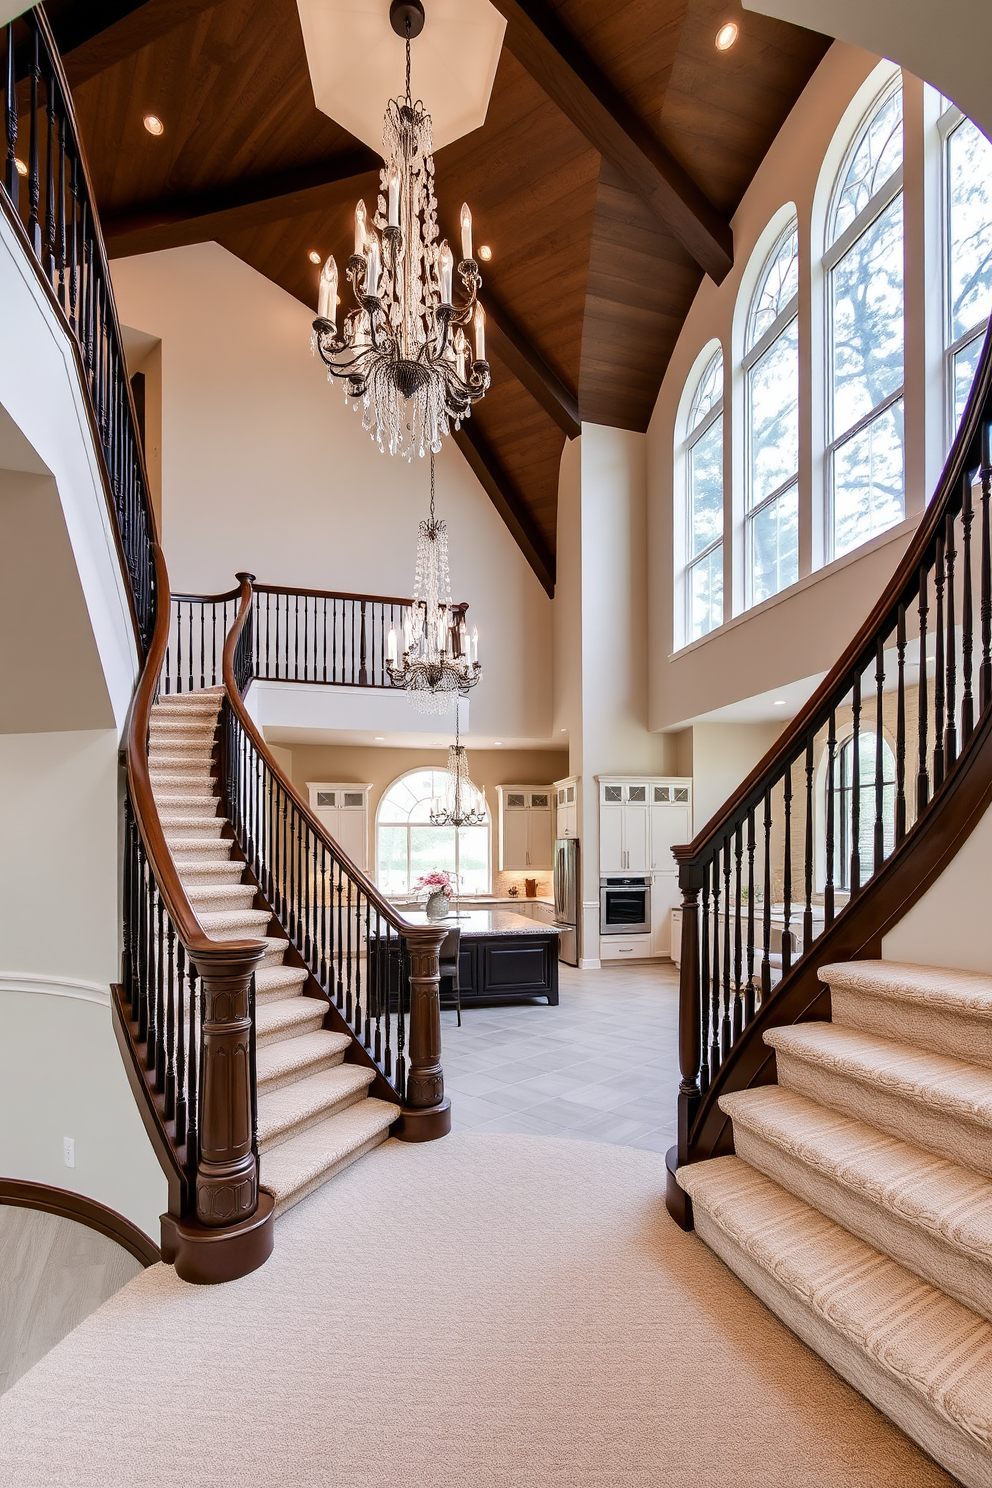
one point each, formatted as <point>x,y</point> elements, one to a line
<point>484,922</point>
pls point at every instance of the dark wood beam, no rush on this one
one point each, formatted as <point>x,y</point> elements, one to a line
<point>93,35</point>
<point>556,60</point>
<point>177,221</point>
<point>520,356</point>
<point>508,502</point>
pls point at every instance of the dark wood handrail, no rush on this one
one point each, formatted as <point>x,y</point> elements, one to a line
<point>425,934</point>
<point>301,590</point>
<point>963,456</point>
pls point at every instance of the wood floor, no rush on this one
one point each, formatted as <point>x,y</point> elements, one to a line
<point>600,1067</point>
<point>53,1273</point>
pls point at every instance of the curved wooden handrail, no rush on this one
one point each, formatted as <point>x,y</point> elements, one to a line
<point>963,456</point>
<point>416,934</point>
<point>299,589</point>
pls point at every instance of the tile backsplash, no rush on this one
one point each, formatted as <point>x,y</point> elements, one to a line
<point>503,881</point>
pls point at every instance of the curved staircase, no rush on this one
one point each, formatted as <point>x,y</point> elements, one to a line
<point>315,1113</point>
<point>858,1205</point>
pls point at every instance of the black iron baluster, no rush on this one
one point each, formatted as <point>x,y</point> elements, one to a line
<point>296,639</point>
<point>951,729</point>
<point>808,852</point>
<point>766,955</point>
<point>787,874</point>
<point>181,1107</point>
<point>938,667</point>
<point>60,241</point>
<point>922,775</point>
<point>726,1028</point>
<point>900,813</point>
<point>48,262</point>
<point>12,176</point>
<point>855,861</point>
<point>334,640</point>
<point>967,613</point>
<point>193,1098</point>
<point>170,1025</point>
<point>159,994</point>
<point>363,675</point>
<point>750,990</point>
<point>878,840</point>
<point>34,184</point>
<point>738,957</point>
<point>985,675</point>
<point>715,979</point>
<point>704,984</point>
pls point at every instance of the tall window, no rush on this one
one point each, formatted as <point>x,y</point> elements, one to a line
<point>968,250</point>
<point>703,455</point>
<point>865,312</point>
<point>771,371</point>
<point>408,843</point>
<point>844,796</point>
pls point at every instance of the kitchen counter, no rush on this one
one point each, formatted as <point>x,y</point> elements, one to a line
<point>482,922</point>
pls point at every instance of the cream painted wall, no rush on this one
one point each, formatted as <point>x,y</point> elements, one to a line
<point>947,44</point>
<point>380,767</point>
<point>949,926</point>
<point>265,468</point>
<point>802,631</point>
<point>723,755</point>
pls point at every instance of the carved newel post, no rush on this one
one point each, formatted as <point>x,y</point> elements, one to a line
<point>690,1041</point>
<point>426,1113</point>
<point>230,1233</point>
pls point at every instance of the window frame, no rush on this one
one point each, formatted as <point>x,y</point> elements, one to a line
<point>382,821</point>
<point>843,819</point>
<point>832,256</point>
<point>690,559</point>
<point>948,121</point>
<point>749,360</point>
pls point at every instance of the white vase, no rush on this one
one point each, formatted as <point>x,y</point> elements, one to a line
<point>437,905</point>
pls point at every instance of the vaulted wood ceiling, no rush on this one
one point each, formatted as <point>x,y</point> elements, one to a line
<point>617,145</point>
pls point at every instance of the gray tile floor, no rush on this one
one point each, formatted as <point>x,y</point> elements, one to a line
<point>602,1066</point>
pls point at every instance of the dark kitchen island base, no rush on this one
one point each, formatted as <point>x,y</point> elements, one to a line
<point>503,957</point>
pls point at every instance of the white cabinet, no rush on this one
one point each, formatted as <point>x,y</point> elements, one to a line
<point>640,820</point>
<point>567,807</point>
<point>525,828</point>
<point>343,810</point>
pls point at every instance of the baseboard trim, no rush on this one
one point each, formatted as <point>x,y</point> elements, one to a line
<point>589,963</point>
<point>20,1193</point>
<point>55,986</point>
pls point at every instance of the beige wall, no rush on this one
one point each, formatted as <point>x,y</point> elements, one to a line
<point>801,632</point>
<point>265,468</point>
<point>380,767</point>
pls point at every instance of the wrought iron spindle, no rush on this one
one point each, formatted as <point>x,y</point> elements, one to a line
<point>703,983</point>
<point>967,613</point>
<point>922,776</point>
<point>787,873</point>
<point>808,852</point>
<point>854,866</point>
<point>985,674</point>
<point>900,811</point>
<point>951,729</point>
<point>766,934</point>
<point>878,836</point>
<point>750,990</point>
<point>938,667</point>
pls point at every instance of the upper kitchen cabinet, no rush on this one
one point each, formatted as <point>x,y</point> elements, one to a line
<point>567,807</point>
<point>343,809</point>
<point>526,827</point>
<point>640,821</point>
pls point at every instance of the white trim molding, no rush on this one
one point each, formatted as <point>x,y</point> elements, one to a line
<point>54,986</point>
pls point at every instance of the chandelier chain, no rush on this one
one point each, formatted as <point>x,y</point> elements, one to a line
<point>409,95</point>
<point>432,488</point>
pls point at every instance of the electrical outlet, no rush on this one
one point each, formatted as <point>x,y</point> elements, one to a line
<point>69,1151</point>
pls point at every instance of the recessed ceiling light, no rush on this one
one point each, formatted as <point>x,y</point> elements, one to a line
<point>497,743</point>
<point>22,169</point>
<point>153,124</point>
<point>314,256</point>
<point>779,703</point>
<point>485,253</point>
<point>378,738</point>
<point>726,36</point>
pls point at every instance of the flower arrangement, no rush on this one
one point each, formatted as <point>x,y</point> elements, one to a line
<point>435,882</point>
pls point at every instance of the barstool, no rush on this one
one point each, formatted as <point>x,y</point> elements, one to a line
<point>447,958</point>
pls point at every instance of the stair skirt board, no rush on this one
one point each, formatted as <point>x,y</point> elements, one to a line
<point>944,1443</point>
<point>331,1122</point>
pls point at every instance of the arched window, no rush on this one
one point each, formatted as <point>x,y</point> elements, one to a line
<point>864,790</point>
<point>771,382</point>
<point>863,268</point>
<point>967,176</point>
<point>702,451</point>
<point>408,843</point>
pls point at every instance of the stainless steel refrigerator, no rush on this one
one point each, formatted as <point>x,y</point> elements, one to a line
<point>567,899</point>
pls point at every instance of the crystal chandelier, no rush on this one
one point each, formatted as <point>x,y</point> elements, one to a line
<point>403,353</point>
<point>462,804</point>
<point>440,661</point>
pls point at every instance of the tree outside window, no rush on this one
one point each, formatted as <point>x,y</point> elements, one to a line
<point>408,844</point>
<point>703,454</point>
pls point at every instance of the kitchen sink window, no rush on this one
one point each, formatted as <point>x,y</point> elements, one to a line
<point>408,843</point>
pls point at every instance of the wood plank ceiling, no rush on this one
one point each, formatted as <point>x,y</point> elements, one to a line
<point>617,145</point>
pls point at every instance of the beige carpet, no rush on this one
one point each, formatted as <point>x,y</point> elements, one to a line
<point>483,1312</point>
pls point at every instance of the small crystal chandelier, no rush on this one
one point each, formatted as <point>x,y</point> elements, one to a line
<point>462,804</point>
<point>403,354</point>
<point>440,661</point>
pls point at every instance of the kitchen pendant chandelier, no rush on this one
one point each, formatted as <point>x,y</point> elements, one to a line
<point>403,353</point>
<point>440,661</point>
<point>462,804</point>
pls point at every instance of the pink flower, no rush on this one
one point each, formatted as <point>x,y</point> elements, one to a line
<point>436,880</point>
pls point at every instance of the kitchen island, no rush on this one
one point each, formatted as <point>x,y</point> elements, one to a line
<point>503,957</point>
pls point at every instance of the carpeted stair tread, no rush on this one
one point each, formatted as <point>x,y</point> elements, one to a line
<point>277,1021</point>
<point>180,822</point>
<point>931,1215</point>
<point>217,849</point>
<point>927,1348</point>
<point>965,991</point>
<point>275,982</point>
<point>235,924</point>
<point>232,895</point>
<point>944,1010</point>
<point>298,1166</point>
<point>936,1081</point>
<point>278,1064</point>
<point>179,781</point>
<point>288,1111</point>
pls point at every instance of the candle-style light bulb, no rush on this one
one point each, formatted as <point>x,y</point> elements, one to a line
<point>407,633</point>
<point>475,644</point>
<point>327,293</point>
<point>480,334</point>
<point>391,647</point>
<point>461,353</point>
<point>446,262</point>
<point>373,265</point>
<point>393,191</point>
<point>466,221</point>
<point>361,221</point>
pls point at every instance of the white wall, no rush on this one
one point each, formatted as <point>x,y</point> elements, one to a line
<point>947,44</point>
<point>949,926</point>
<point>723,755</point>
<point>803,630</point>
<point>265,468</point>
